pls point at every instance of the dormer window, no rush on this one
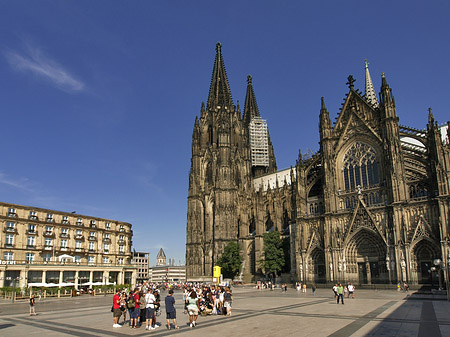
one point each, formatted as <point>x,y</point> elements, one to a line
<point>79,222</point>
<point>122,228</point>
<point>65,220</point>
<point>12,212</point>
<point>33,215</point>
<point>92,224</point>
<point>108,225</point>
<point>49,217</point>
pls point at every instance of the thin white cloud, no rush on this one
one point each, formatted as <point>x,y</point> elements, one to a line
<point>44,67</point>
<point>21,184</point>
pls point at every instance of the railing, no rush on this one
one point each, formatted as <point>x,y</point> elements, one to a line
<point>68,263</point>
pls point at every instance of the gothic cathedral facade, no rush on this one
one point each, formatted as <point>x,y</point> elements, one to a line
<point>371,206</point>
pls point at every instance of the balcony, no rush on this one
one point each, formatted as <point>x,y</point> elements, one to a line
<point>9,245</point>
<point>80,250</point>
<point>92,238</point>
<point>64,235</point>
<point>79,237</point>
<point>91,250</point>
<point>48,247</point>
<point>50,220</point>
<point>31,246</point>
<point>12,214</point>
<point>49,234</point>
<point>121,241</point>
<point>11,230</point>
<point>31,232</point>
<point>33,217</point>
<point>64,249</point>
<point>79,224</point>
<point>106,240</point>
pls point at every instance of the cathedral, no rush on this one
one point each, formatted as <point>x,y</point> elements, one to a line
<point>370,207</point>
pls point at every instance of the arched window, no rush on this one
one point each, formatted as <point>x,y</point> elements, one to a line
<point>360,167</point>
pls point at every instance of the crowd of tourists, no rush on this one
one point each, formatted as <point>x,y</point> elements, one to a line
<point>141,306</point>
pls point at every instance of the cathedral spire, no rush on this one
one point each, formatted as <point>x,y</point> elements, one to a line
<point>219,90</point>
<point>371,96</point>
<point>250,107</point>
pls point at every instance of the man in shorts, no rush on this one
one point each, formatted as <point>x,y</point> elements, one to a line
<point>116,309</point>
<point>150,307</point>
<point>171,313</point>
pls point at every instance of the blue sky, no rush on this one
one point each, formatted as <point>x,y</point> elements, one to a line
<point>98,98</point>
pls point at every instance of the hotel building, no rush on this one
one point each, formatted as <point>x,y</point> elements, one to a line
<point>47,246</point>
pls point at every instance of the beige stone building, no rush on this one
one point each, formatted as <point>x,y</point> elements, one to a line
<point>47,246</point>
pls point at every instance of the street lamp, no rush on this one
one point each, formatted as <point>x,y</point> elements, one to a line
<point>438,264</point>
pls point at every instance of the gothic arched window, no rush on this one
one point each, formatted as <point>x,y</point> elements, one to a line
<point>360,167</point>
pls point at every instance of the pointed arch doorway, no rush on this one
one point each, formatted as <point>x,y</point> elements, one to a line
<point>365,254</point>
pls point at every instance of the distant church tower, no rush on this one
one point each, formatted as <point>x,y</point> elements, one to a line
<point>221,171</point>
<point>161,258</point>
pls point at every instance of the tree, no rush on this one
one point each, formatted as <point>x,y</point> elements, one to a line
<point>231,260</point>
<point>274,259</point>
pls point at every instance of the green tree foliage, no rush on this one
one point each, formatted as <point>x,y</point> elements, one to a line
<point>274,259</point>
<point>231,260</point>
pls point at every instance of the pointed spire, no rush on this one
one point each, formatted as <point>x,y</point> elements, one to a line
<point>219,90</point>
<point>383,81</point>
<point>371,96</point>
<point>325,122</point>
<point>430,117</point>
<point>386,98</point>
<point>251,107</point>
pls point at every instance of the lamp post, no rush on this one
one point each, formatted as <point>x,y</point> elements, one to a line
<point>438,268</point>
<point>104,286</point>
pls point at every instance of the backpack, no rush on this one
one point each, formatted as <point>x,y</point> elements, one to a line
<point>131,302</point>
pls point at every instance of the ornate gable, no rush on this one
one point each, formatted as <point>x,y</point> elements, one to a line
<point>423,230</point>
<point>362,218</point>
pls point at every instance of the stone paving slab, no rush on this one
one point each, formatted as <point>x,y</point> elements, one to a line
<point>255,313</point>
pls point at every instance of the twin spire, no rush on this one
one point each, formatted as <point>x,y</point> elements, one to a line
<point>220,93</point>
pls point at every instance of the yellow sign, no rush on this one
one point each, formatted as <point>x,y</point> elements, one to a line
<point>217,271</point>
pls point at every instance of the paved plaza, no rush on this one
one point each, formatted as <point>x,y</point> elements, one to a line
<point>255,313</point>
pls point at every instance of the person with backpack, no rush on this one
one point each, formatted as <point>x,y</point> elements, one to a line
<point>133,304</point>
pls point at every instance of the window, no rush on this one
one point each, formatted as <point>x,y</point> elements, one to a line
<point>120,249</point>
<point>29,257</point>
<point>77,258</point>
<point>63,243</point>
<point>79,222</point>
<point>92,223</point>
<point>105,260</point>
<point>12,212</point>
<point>120,260</point>
<point>8,256</point>
<point>49,217</point>
<point>46,257</point>
<point>122,228</point>
<point>360,167</point>
<point>9,239</point>
<point>91,245</point>
<point>77,244</point>
<point>33,215</point>
<point>92,234</point>
<point>48,229</point>
<point>65,220</point>
<point>31,241</point>
<point>64,231</point>
<point>108,225</point>
<point>48,242</point>
<point>106,247</point>
<point>91,259</point>
<point>10,226</point>
<point>106,236</point>
<point>31,228</point>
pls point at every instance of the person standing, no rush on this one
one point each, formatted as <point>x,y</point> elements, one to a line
<point>351,290</point>
<point>32,306</point>
<point>150,308</point>
<point>136,311</point>
<point>228,300</point>
<point>340,293</point>
<point>116,309</point>
<point>193,308</point>
<point>171,312</point>
<point>313,288</point>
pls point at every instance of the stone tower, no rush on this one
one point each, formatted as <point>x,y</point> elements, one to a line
<point>221,173</point>
<point>161,258</point>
